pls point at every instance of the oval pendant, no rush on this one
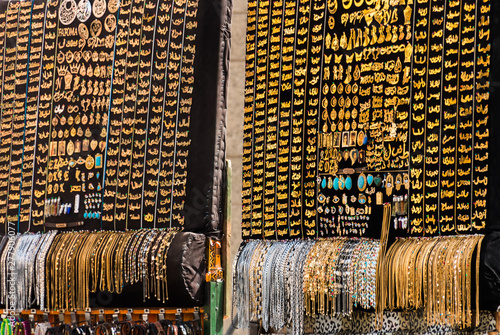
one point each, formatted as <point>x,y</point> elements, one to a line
<point>341,183</point>
<point>348,183</point>
<point>330,182</point>
<point>113,6</point>
<point>336,183</point>
<point>369,179</point>
<point>362,182</point>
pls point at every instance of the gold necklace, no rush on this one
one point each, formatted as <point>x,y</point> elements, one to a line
<point>49,266</point>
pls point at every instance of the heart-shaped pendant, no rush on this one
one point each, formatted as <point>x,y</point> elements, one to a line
<point>93,144</point>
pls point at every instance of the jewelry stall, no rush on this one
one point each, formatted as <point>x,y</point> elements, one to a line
<point>366,173</point>
<point>112,164</point>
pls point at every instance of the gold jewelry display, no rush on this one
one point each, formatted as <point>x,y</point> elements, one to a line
<point>438,269</point>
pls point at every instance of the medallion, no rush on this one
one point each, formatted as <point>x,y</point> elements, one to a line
<point>95,27</point>
<point>110,23</point>
<point>70,149</point>
<point>67,12</point>
<point>113,6</point>
<point>89,162</point>
<point>83,31</point>
<point>99,8</point>
<point>84,10</point>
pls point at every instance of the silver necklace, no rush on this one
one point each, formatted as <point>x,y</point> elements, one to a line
<point>277,320</point>
<point>241,282</point>
<point>295,272</point>
<point>267,282</point>
<point>234,297</point>
<point>41,260</point>
<point>300,283</point>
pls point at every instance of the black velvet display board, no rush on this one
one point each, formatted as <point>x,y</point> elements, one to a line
<point>490,253</point>
<point>494,178</point>
<point>350,105</point>
<point>116,120</point>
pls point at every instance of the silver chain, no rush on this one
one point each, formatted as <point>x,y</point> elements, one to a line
<point>276,271</point>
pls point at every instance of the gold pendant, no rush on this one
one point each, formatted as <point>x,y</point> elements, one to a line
<point>93,145</point>
<point>89,162</point>
<point>102,145</point>
<point>98,161</point>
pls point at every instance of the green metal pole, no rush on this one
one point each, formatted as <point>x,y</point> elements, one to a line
<point>213,312</point>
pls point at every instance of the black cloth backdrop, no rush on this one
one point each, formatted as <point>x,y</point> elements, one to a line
<point>186,268</point>
<point>490,253</point>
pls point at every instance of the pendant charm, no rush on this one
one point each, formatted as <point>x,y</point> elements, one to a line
<point>67,12</point>
<point>84,10</point>
<point>95,27</point>
<point>70,150</point>
<point>113,6</point>
<point>89,162</point>
<point>110,23</point>
<point>99,8</point>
